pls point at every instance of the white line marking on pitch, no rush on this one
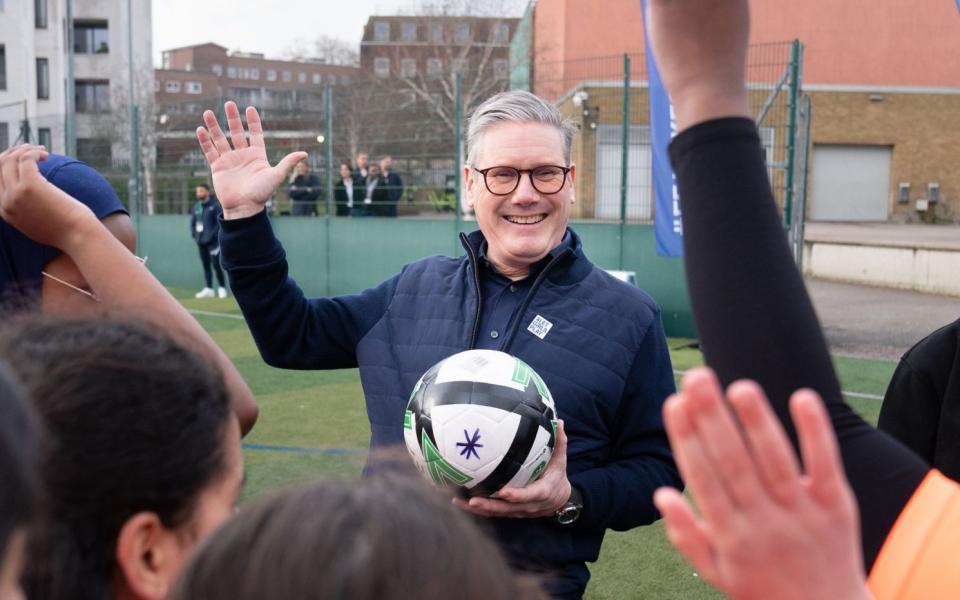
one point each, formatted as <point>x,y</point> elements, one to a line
<point>863,395</point>
<point>207,313</point>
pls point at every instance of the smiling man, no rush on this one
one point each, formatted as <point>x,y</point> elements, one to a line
<point>524,286</point>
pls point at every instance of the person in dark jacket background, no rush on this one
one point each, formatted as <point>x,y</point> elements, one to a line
<point>205,228</point>
<point>375,197</point>
<point>392,184</point>
<point>304,191</point>
<point>347,191</point>
<point>922,405</point>
<point>525,287</point>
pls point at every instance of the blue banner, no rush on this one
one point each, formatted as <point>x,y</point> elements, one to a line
<point>666,201</point>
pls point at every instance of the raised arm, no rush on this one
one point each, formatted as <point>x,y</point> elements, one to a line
<point>242,176</point>
<point>50,216</point>
<point>752,310</point>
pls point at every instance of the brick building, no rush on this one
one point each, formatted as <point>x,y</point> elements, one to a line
<point>288,94</point>
<point>434,46</point>
<point>882,76</point>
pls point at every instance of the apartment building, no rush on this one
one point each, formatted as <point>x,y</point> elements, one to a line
<point>40,40</point>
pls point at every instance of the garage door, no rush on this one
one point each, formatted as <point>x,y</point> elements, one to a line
<point>850,183</point>
<point>609,163</point>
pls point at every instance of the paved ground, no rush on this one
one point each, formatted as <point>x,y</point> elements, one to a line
<point>877,322</point>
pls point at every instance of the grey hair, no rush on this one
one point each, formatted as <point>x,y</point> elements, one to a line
<point>517,107</point>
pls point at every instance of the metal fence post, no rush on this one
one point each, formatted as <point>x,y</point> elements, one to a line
<point>328,139</point>
<point>458,156</point>
<point>793,107</point>
<point>624,154</point>
<point>134,188</point>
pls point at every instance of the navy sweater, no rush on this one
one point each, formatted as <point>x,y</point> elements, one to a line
<point>605,361</point>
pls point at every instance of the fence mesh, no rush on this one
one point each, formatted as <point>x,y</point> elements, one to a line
<point>411,117</point>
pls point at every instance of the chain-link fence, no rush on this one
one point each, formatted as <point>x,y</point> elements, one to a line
<point>415,120</point>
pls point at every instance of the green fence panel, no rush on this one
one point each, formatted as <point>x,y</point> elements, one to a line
<point>364,252</point>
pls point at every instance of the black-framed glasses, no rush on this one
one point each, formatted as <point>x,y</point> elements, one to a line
<point>546,179</point>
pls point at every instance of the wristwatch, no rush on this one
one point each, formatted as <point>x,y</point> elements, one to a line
<point>570,512</point>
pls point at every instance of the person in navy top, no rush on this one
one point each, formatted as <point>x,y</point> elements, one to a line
<point>524,286</point>
<point>23,262</point>
<point>66,246</point>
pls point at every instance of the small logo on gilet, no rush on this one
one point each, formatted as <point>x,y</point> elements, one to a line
<point>540,327</point>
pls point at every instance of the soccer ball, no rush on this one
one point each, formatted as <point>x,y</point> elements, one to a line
<point>480,420</point>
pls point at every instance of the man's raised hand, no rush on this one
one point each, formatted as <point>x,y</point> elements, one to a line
<point>242,176</point>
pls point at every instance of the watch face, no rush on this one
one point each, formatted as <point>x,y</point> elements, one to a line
<point>568,514</point>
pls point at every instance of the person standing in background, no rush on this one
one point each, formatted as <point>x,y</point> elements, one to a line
<point>360,173</point>
<point>304,191</point>
<point>393,186</point>
<point>205,228</point>
<point>345,191</point>
<point>374,194</point>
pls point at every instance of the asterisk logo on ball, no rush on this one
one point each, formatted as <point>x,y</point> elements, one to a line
<point>469,445</point>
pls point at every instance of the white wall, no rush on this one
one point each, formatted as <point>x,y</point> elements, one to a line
<point>921,269</point>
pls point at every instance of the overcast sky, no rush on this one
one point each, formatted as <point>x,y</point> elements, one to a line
<point>260,25</point>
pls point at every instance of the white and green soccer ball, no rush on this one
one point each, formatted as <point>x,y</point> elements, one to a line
<point>481,420</point>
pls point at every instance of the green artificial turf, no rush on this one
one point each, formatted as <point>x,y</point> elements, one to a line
<point>312,425</point>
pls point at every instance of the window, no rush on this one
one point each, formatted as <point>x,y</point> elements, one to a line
<point>271,75</point>
<point>316,79</point>
<point>3,65</point>
<point>255,73</point>
<point>232,72</point>
<point>4,128</point>
<point>434,67</point>
<point>194,87</point>
<point>45,138</point>
<point>217,69</point>
<point>90,37</point>
<point>95,152</point>
<point>408,67</point>
<point>460,64</point>
<point>302,77</point>
<point>332,79</point>
<point>172,87</point>
<point>501,68</point>
<point>93,96</point>
<point>436,32</point>
<point>501,33</point>
<point>381,67</point>
<point>381,31</point>
<point>43,79</point>
<point>461,33</point>
<point>40,14</point>
<point>408,31</point>
<point>287,76</point>
<point>245,96</point>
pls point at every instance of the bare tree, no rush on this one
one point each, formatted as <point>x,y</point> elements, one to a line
<point>115,126</point>
<point>466,8</point>
<point>325,48</point>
